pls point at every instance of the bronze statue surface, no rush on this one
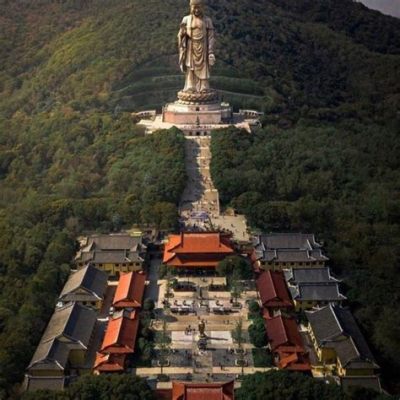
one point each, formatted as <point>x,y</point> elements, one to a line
<point>196,50</point>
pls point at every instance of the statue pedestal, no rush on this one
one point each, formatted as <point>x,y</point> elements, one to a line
<point>196,114</point>
<point>193,108</point>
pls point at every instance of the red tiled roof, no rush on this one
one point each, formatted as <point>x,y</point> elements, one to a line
<point>286,343</point>
<point>194,262</point>
<point>195,244</point>
<point>273,290</point>
<point>289,359</point>
<point>109,362</point>
<point>130,290</point>
<point>293,360</point>
<point>283,331</point>
<point>120,336</point>
<point>202,391</point>
<point>266,314</point>
<point>163,394</point>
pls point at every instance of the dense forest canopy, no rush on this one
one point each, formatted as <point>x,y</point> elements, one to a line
<point>332,180</point>
<point>72,157</point>
<point>100,387</point>
<point>283,385</point>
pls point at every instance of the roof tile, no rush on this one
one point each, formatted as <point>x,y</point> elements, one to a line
<point>130,290</point>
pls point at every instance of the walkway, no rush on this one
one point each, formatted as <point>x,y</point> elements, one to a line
<point>200,208</point>
<point>152,289</point>
<point>200,194</point>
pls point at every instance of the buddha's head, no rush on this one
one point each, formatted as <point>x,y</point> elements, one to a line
<point>197,8</point>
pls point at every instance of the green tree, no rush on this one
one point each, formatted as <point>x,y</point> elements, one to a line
<point>104,387</point>
<point>45,395</point>
<point>234,265</point>
<point>164,345</point>
<point>257,332</point>
<point>236,287</point>
<point>148,305</point>
<point>283,385</point>
<point>254,307</point>
<point>355,393</point>
<point>238,337</point>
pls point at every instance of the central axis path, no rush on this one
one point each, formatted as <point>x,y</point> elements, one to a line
<point>200,207</point>
<point>200,201</point>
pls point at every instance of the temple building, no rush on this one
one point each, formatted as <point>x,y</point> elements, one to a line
<point>109,363</point>
<point>286,344</point>
<point>273,291</point>
<point>339,343</point>
<point>119,342</point>
<point>130,290</point>
<point>277,251</point>
<point>197,391</point>
<point>196,250</point>
<point>87,286</point>
<point>313,287</point>
<point>63,348</point>
<point>114,253</point>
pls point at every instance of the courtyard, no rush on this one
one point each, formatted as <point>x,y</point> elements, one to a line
<point>196,316</point>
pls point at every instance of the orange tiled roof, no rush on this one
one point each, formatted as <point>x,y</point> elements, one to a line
<point>293,360</point>
<point>289,359</point>
<point>202,391</point>
<point>193,244</point>
<point>109,362</point>
<point>120,336</point>
<point>130,290</point>
<point>194,262</point>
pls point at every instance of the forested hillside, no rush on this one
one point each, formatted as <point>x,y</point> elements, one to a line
<point>328,160</point>
<point>73,159</point>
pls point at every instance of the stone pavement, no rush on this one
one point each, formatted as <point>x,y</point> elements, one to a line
<point>238,370</point>
<point>200,194</point>
<point>190,370</point>
<point>166,370</point>
<point>152,290</point>
<point>199,207</point>
<point>236,224</point>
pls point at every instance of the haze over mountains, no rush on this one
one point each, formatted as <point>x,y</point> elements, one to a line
<point>389,7</point>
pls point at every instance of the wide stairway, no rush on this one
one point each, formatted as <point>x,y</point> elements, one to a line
<point>199,201</point>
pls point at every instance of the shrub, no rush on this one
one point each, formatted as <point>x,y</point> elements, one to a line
<point>262,358</point>
<point>257,333</point>
<point>148,305</point>
<point>254,307</point>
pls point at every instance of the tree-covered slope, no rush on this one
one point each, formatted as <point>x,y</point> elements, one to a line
<point>122,54</point>
<point>72,158</point>
<point>341,181</point>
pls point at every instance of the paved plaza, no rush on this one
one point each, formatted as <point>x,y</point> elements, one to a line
<point>186,358</point>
